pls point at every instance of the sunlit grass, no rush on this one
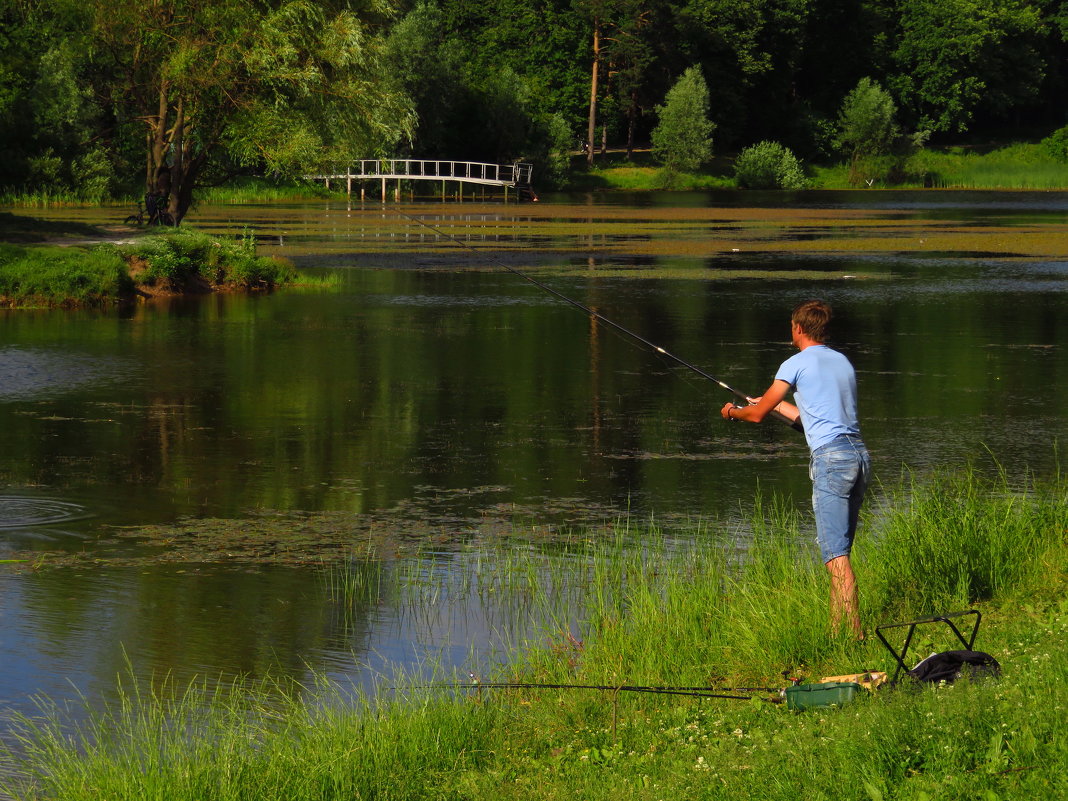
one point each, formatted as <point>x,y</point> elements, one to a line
<point>41,276</point>
<point>1019,166</point>
<point>47,199</point>
<point>264,190</point>
<point>639,179</point>
<point>1013,167</point>
<point>652,609</point>
<point>49,276</point>
<point>175,257</point>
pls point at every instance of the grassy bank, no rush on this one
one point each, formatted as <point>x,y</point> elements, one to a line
<point>1018,166</point>
<point>1014,167</point>
<point>170,262</point>
<point>663,614</point>
<point>39,276</point>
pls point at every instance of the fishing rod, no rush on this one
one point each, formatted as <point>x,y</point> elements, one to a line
<point>794,424</point>
<point>693,692</point>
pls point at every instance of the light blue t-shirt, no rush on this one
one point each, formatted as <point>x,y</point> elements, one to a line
<point>825,392</point>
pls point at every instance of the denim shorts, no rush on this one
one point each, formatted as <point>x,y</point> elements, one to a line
<point>839,471</point>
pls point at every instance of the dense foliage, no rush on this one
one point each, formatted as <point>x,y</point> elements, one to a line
<point>100,97</point>
<point>768,165</point>
<point>682,139</point>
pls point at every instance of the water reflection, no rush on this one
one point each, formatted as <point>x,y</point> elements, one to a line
<point>445,401</point>
<point>27,373</point>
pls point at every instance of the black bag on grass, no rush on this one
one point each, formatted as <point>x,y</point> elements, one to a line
<point>951,665</point>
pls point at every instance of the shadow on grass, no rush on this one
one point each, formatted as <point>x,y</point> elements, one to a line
<point>24,229</point>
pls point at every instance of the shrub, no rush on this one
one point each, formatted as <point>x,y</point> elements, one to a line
<point>768,165</point>
<point>558,160</point>
<point>1056,144</point>
<point>866,120</point>
<point>184,256</point>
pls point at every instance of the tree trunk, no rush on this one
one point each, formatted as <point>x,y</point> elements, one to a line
<point>591,130</point>
<point>157,143</point>
<point>179,167</point>
<point>632,119</point>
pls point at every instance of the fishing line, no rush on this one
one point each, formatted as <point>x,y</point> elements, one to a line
<point>796,425</point>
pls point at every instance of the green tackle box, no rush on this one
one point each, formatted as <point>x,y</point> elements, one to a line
<point>815,696</point>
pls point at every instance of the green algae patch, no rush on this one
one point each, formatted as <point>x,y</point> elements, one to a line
<point>274,538</point>
<point>286,538</point>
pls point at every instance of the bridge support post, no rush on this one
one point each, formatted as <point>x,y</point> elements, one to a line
<point>396,192</point>
<point>348,184</point>
<point>383,190</point>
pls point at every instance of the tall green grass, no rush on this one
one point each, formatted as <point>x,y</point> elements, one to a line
<point>659,610</point>
<point>263,741</point>
<point>264,190</point>
<point>1013,167</point>
<point>1019,166</point>
<point>41,276</point>
<point>47,199</point>
<point>952,539</point>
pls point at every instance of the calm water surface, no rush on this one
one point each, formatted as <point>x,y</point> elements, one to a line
<point>431,395</point>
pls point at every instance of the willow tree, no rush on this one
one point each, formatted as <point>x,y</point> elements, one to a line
<point>282,85</point>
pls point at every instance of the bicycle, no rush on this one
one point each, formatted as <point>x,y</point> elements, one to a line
<point>153,211</point>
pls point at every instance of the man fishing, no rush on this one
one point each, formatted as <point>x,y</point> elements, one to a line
<point>825,388</point>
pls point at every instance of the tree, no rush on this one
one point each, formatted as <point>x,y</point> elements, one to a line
<point>282,85</point>
<point>750,48</point>
<point>866,120</point>
<point>427,63</point>
<point>682,139</point>
<point>49,121</point>
<point>955,57</point>
<point>635,55</point>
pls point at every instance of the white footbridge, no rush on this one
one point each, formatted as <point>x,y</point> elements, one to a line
<point>460,173</point>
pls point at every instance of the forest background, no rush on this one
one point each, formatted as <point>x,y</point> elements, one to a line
<point>100,99</point>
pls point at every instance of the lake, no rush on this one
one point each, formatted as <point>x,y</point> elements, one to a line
<point>179,474</point>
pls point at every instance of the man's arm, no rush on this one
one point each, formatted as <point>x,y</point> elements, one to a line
<point>773,398</point>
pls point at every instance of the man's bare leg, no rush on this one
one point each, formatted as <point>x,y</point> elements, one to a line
<point>844,606</point>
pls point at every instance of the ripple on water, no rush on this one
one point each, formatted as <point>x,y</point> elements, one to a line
<point>19,511</point>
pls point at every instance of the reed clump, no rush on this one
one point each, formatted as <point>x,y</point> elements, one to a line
<point>663,610</point>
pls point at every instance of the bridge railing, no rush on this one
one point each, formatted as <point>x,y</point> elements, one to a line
<point>518,173</point>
